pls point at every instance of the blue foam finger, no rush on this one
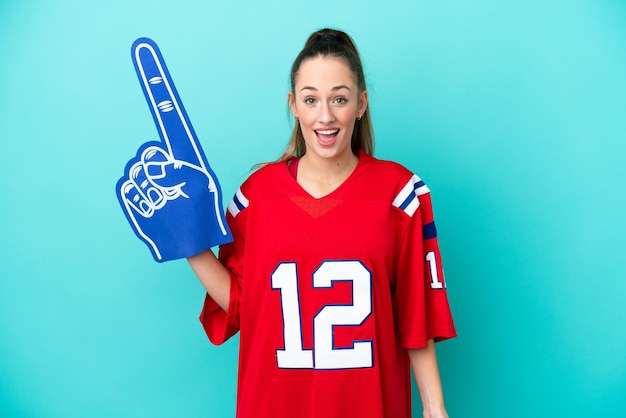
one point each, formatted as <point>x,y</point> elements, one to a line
<point>183,214</point>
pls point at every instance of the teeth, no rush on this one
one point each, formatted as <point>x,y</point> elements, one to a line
<point>329,132</point>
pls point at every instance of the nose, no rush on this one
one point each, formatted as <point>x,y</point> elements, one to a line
<point>326,113</point>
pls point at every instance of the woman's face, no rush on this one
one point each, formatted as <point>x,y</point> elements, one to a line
<point>326,100</point>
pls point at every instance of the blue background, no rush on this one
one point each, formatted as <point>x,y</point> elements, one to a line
<point>513,112</point>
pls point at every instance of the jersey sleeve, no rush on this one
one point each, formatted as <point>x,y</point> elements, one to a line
<point>420,297</point>
<point>218,324</point>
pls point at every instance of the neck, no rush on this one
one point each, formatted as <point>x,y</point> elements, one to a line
<point>321,176</point>
<point>328,168</point>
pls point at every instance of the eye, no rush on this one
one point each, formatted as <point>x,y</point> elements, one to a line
<point>341,100</point>
<point>309,100</point>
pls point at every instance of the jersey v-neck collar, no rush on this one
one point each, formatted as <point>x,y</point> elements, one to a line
<point>364,158</point>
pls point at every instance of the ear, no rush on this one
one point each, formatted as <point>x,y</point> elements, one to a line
<point>362,103</point>
<point>291,99</point>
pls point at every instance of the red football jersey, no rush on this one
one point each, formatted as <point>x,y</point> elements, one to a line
<point>329,293</point>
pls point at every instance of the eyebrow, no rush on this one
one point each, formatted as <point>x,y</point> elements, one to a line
<point>332,89</point>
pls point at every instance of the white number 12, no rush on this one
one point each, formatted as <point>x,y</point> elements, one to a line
<point>324,355</point>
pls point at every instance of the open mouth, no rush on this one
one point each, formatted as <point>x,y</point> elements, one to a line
<point>326,136</point>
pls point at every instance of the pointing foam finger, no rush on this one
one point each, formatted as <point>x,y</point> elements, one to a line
<point>167,109</point>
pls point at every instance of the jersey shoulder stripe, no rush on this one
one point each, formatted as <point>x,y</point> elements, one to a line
<point>258,182</point>
<point>238,203</point>
<point>408,198</point>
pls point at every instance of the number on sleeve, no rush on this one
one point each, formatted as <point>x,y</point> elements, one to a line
<point>434,273</point>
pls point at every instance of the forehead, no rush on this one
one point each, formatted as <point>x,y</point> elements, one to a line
<point>323,72</point>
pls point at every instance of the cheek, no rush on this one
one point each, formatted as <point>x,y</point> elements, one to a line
<point>307,119</point>
<point>347,115</point>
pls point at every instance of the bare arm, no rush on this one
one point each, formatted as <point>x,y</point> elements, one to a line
<point>426,371</point>
<point>213,275</point>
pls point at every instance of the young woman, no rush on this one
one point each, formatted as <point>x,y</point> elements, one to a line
<point>334,278</point>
